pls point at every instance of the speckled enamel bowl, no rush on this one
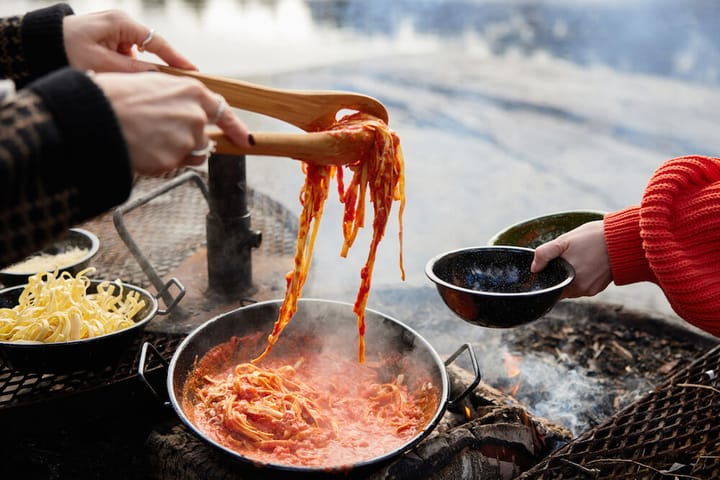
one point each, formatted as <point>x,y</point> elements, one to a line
<point>492,286</point>
<point>535,231</point>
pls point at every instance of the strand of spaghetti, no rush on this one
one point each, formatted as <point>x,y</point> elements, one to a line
<point>354,218</point>
<point>385,170</point>
<point>380,174</point>
<point>312,197</point>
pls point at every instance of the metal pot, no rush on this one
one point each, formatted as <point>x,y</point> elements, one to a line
<point>86,354</point>
<point>317,318</point>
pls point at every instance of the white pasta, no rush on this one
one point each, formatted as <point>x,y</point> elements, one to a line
<point>56,308</point>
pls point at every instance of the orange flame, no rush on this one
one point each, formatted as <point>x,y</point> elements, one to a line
<point>468,413</point>
<point>512,367</point>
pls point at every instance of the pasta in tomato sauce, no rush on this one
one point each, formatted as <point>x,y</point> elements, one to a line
<point>379,174</point>
<point>299,409</point>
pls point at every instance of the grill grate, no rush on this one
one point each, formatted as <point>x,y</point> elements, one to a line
<point>673,430</point>
<point>171,227</point>
<point>36,398</point>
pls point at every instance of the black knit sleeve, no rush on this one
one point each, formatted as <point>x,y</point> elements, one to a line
<point>42,39</point>
<point>92,137</point>
<point>63,160</point>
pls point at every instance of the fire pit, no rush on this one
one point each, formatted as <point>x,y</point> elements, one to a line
<point>106,424</point>
<point>672,431</point>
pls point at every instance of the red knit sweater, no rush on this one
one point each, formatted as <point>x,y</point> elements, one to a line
<point>673,239</point>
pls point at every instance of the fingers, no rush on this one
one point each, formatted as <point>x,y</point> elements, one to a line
<point>546,252</point>
<point>200,155</point>
<point>151,41</point>
<point>219,113</point>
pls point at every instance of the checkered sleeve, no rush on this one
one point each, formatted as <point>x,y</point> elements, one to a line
<point>63,160</point>
<point>32,45</point>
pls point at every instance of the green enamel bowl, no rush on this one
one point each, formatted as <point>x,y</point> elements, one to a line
<point>535,231</point>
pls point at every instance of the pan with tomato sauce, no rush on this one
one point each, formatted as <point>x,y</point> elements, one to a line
<point>309,406</point>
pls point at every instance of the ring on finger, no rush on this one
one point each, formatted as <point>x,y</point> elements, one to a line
<point>222,105</point>
<point>206,151</point>
<point>147,40</point>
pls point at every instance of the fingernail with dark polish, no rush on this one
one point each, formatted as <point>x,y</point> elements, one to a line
<point>251,140</point>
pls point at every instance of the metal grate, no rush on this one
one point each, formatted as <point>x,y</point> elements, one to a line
<point>671,432</point>
<point>36,398</point>
<point>171,227</point>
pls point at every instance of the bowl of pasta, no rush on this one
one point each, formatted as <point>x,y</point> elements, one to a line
<point>492,286</point>
<point>70,253</point>
<point>59,322</point>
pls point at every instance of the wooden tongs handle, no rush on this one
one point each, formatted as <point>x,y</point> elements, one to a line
<point>320,148</point>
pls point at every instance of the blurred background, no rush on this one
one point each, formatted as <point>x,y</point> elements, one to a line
<point>506,109</point>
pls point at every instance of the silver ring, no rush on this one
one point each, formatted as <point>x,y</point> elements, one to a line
<point>206,151</point>
<point>148,39</point>
<point>222,104</point>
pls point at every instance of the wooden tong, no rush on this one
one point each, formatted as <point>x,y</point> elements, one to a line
<point>311,111</point>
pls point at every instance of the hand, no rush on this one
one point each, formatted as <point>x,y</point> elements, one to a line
<point>163,118</point>
<point>586,250</point>
<point>104,41</point>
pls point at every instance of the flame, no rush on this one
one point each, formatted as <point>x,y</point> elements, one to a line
<point>468,413</point>
<point>512,367</point>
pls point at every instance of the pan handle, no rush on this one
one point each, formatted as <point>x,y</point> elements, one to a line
<point>174,301</point>
<point>149,347</point>
<point>476,371</point>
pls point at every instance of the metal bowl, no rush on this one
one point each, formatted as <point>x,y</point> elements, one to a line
<point>74,238</point>
<point>492,286</point>
<point>87,354</point>
<point>534,232</point>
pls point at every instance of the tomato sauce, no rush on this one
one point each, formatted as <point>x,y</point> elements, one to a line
<point>310,408</point>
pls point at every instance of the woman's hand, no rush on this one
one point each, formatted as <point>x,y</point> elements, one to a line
<point>586,250</point>
<point>163,118</point>
<point>104,41</point>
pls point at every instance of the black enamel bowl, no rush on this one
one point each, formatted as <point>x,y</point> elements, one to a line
<point>74,238</point>
<point>492,286</point>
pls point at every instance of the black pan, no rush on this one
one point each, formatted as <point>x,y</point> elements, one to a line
<point>87,354</point>
<point>318,318</point>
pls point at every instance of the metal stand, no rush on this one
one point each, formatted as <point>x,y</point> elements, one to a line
<point>230,239</point>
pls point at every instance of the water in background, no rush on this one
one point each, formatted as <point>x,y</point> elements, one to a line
<point>506,109</point>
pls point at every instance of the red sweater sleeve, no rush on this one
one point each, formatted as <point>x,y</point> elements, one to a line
<point>673,239</point>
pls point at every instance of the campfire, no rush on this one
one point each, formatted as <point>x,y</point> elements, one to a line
<point>568,393</point>
<point>557,379</point>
